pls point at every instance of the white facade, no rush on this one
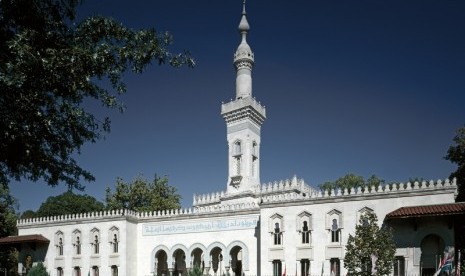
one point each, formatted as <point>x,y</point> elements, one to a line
<point>250,229</point>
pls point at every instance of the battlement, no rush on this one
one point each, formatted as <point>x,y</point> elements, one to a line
<point>288,190</point>
<point>296,185</point>
<point>352,194</point>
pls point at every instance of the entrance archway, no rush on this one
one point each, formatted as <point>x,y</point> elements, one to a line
<point>217,261</point>
<point>197,259</point>
<point>432,249</point>
<point>161,263</point>
<point>236,260</point>
<point>179,258</point>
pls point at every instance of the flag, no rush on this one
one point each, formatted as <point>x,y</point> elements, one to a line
<point>446,262</point>
<point>284,274</point>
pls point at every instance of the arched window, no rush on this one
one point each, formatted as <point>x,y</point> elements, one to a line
<point>95,271</point>
<point>77,241</point>
<point>60,247</point>
<point>115,243</point>
<point>277,234</point>
<point>305,267</point>
<point>60,271</point>
<point>237,148</point>
<point>59,237</point>
<point>276,227</point>
<point>304,227</point>
<point>77,271</point>
<point>277,268</point>
<point>335,267</point>
<point>305,233</point>
<point>113,238</point>
<point>114,270</point>
<point>335,231</point>
<point>96,244</point>
<point>334,225</point>
<point>95,240</point>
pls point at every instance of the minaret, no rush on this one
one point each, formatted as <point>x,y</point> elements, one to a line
<point>244,117</point>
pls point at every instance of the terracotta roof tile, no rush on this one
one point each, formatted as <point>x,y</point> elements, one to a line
<point>428,210</point>
<point>24,239</point>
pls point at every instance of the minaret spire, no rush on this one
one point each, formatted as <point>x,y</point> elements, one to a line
<point>243,60</point>
<point>244,117</point>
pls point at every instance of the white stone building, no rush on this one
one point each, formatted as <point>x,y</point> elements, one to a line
<point>250,228</point>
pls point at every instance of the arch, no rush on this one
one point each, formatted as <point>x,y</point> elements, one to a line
<point>422,233</point>
<point>331,215</point>
<point>237,147</point>
<point>177,258</point>
<point>432,247</point>
<point>210,248</point>
<point>245,253</point>
<point>191,251</point>
<point>304,216</point>
<point>154,253</point>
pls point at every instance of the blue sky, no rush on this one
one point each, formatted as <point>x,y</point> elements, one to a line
<point>368,87</point>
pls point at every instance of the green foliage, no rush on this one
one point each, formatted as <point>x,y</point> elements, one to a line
<point>196,271</point>
<point>49,65</point>
<point>69,203</point>
<point>369,241</point>
<point>38,270</point>
<point>351,180</point>
<point>8,206</point>
<point>456,155</point>
<point>142,195</point>
<point>28,214</point>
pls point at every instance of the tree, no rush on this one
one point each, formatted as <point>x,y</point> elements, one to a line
<point>370,244</point>
<point>196,271</point>
<point>69,203</point>
<point>142,195</point>
<point>28,214</point>
<point>456,155</point>
<point>38,270</point>
<point>8,206</point>
<point>351,180</point>
<point>49,65</point>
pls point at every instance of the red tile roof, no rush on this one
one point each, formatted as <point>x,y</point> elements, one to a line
<point>428,210</point>
<point>24,239</point>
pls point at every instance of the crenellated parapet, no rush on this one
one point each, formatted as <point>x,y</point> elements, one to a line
<point>108,214</point>
<point>351,194</point>
<point>211,198</point>
<point>134,216</point>
<point>296,185</point>
<point>292,190</point>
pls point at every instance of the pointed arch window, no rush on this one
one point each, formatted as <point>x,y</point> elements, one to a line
<point>334,225</point>
<point>304,227</point>
<point>237,147</point>
<point>335,231</point>
<point>59,242</point>
<point>77,242</point>
<point>95,240</point>
<point>276,229</point>
<point>113,238</point>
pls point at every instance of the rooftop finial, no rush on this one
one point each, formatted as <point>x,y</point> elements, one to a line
<point>243,25</point>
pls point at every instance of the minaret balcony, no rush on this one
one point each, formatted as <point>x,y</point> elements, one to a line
<point>243,108</point>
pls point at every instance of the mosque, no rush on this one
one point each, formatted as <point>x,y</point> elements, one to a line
<point>281,228</point>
